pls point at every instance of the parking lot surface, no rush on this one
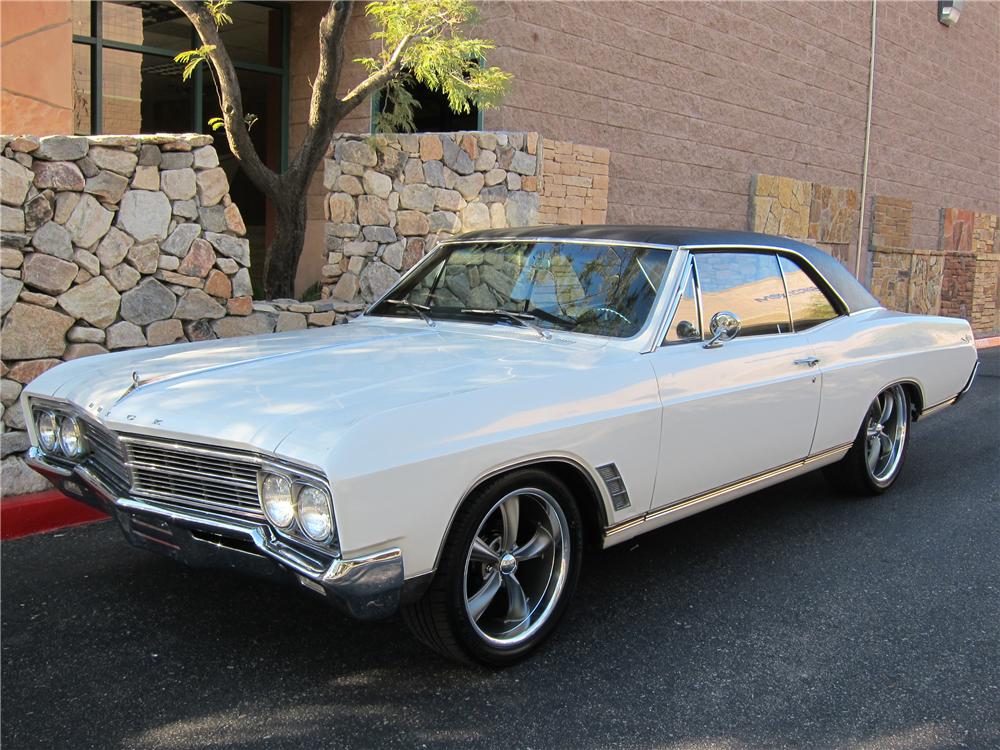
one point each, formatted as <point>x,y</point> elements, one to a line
<point>791,618</point>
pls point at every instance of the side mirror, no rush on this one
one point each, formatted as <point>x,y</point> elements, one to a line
<point>724,326</point>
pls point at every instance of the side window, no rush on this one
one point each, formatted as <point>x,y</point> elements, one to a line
<point>684,327</point>
<point>809,305</point>
<point>747,284</point>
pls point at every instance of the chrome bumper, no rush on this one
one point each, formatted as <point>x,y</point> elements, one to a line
<point>367,587</point>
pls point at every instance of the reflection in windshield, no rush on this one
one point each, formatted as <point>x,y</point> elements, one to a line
<point>604,290</point>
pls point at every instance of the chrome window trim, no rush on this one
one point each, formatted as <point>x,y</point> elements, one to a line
<point>667,284</point>
<point>779,249</point>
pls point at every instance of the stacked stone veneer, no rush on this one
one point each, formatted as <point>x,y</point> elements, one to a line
<point>904,277</point>
<point>971,269</point>
<point>115,242</point>
<point>823,215</point>
<point>391,198</point>
<point>574,183</point>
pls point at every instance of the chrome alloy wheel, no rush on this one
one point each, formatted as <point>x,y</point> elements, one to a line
<point>516,567</point>
<point>885,434</point>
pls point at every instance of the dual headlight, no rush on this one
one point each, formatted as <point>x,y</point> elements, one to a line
<point>288,503</point>
<point>58,433</point>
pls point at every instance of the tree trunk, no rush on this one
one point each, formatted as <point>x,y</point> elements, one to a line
<point>282,259</point>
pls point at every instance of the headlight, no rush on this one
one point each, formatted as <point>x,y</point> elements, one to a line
<point>71,439</point>
<point>47,424</point>
<point>315,518</point>
<point>276,498</point>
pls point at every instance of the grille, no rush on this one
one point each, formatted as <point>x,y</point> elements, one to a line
<point>186,475</point>
<point>106,456</point>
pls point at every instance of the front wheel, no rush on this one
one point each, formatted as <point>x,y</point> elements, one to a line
<point>875,460</point>
<point>507,572</point>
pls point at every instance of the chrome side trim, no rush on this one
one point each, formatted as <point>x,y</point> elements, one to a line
<point>938,407</point>
<point>741,484</point>
<point>968,384</point>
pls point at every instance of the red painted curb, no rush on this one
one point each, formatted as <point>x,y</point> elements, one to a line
<point>44,511</point>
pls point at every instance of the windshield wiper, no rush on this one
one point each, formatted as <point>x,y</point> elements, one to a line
<point>420,310</point>
<point>526,320</point>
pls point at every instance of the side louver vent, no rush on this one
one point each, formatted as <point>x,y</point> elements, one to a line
<point>615,484</point>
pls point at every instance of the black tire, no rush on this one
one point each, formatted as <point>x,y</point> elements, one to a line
<point>441,620</point>
<point>853,473</point>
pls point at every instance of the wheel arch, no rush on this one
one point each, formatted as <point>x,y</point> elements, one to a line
<point>580,479</point>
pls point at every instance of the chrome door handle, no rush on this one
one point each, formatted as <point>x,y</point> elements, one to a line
<point>808,361</point>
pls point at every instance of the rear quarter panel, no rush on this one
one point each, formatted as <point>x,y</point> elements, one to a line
<point>863,353</point>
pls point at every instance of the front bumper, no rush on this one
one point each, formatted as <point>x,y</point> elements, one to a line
<point>367,587</point>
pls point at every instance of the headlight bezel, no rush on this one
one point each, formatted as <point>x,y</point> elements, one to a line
<point>296,530</point>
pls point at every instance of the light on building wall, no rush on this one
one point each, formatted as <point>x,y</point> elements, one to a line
<point>949,11</point>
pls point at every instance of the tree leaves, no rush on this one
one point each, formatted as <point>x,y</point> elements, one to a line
<point>436,54</point>
<point>192,58</point>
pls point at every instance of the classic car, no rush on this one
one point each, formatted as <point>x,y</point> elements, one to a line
<point>518,396</point>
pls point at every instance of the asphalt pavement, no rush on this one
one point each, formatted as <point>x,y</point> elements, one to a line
<point>791,618</point>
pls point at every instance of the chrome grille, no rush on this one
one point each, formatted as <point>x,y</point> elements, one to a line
<point>209,479</point>
<point>106,455</point>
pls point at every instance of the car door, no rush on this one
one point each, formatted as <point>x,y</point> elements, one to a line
<point>741,407</point>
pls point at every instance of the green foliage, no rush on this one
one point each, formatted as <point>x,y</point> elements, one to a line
<point>192,58</point>
<point>216,123</point>
<point>217,8</point>
<point>436,54</point>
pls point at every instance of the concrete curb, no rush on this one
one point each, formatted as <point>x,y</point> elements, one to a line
<point>44,511</point>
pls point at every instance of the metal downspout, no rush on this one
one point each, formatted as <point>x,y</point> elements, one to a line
<point>868,135</point>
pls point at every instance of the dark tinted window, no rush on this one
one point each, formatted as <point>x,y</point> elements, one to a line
<point>810,306</point>
<point>747,284</point>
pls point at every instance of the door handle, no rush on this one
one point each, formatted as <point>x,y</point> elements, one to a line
<point>808,361</point>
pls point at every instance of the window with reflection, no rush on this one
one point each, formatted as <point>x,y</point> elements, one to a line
<point>603,290</point>
<point>747,284</point>
<point>808,303</point>
<point>684,326</point>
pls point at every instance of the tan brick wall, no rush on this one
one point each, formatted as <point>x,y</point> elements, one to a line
<point>574,184</point>
<point>693,98</point>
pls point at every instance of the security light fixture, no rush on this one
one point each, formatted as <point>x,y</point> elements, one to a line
<point>949,11</point>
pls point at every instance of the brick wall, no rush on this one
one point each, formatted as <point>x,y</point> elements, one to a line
<point>692,99</point>
<point>575,185</point>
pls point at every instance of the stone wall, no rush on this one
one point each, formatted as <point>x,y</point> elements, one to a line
<point>903,277</point>
<point>116,242</point>
<point>391,198</point>
<point>823,215</point>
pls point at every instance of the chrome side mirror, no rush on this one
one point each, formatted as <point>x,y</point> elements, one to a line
<point>725,326</point>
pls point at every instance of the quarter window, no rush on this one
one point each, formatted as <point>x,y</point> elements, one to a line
<point>747,284</point>
<point>684,327</point>
<point>807,302</point>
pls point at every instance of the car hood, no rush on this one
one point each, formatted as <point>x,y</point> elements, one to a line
<point>254,391</point>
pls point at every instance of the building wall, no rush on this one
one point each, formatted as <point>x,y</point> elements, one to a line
<point>692,99</point>
<point>304,60</point>
<point>36,98</point>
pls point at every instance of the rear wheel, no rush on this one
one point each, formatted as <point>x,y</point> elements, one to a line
<point>875,460</point>
<point>507,572</point>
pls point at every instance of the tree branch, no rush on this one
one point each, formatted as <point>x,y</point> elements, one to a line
<point>324,107</point>
<point>232,100</point>
<point>378,79</point>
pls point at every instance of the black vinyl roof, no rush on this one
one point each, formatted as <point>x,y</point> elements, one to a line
<point>833,271</point>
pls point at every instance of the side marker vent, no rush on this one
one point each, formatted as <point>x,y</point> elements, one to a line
<point>616,486</point>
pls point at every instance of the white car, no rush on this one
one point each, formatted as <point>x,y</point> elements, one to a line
<point>517,396</point>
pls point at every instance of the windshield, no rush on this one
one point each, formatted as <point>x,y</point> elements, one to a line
<point>603,290</point>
